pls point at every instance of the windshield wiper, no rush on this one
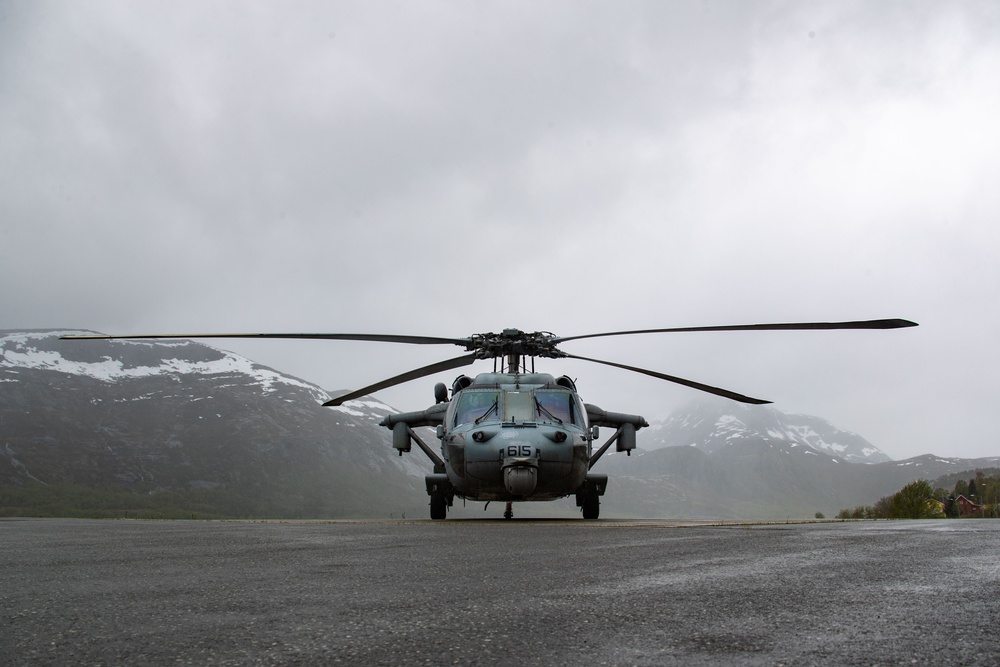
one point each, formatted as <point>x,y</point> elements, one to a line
<point>541,408</point>
<point>493,408</point>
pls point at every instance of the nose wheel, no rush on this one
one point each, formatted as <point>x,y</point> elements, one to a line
<point>509,512</point>
<point>588,496</point>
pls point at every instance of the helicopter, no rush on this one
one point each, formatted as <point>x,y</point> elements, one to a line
<point>516,435</point>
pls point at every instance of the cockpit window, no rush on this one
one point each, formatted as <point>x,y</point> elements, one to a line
<point>518,406</point>
<point>476,406</point>
<point>555,406</point>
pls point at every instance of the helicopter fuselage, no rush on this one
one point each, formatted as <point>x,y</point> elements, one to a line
<point>513,437</point>
<point>516,437</point>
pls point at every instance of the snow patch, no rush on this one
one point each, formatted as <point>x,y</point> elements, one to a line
<point>19,353</point>
<point>364,408</point>
<point>348,411</point>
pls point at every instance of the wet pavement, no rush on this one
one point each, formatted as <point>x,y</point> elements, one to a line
<point>499,593</point>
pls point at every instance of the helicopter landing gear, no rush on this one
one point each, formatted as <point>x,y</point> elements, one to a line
<point>588,496</point>
<point>439,506</point>
<point>509,512</point>
<point>441,492</point>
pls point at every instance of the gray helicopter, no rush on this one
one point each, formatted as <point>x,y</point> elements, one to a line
<point>515,435</point>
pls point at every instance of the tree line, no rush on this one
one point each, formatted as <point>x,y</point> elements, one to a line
<point>975,497</point>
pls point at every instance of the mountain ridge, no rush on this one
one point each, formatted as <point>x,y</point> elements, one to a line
<point>713,427</point>
<point>151,418</point>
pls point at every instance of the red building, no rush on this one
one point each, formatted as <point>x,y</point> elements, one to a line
<point>967,507</point>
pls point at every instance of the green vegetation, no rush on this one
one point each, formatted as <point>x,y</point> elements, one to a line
<point>973,495</point>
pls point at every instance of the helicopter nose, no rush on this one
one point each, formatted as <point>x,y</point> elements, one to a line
<point>520,480</point>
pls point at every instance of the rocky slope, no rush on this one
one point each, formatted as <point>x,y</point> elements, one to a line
<point>712,459</point>
<point>179,416</point>
<point>716,427</point>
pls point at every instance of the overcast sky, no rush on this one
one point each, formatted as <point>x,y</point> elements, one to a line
<point>451,168</point>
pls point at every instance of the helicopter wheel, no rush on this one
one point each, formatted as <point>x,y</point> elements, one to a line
<point>439,506</point>
<point>591,506</point>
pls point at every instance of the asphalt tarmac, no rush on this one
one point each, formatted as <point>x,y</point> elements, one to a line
<point>521,592</point>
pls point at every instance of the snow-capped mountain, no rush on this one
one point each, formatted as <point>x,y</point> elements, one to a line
<point>713,426</point>
<point>131,359</point>
<point>177,416</point>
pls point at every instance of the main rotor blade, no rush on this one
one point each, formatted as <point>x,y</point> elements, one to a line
<point>383,338</point>
<point>448,364</point>
<point>795,326</point>
<point>725,393</point>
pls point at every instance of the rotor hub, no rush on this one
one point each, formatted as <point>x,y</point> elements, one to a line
<point>514,341</point>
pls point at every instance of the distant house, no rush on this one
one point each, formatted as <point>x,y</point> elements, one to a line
<point>967,507</point>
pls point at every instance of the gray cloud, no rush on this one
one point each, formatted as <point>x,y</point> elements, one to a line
<point>449,168</point>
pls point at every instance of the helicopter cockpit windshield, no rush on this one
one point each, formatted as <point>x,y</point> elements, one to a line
<point>557,406</point>
<point>476,406</point>
<point>520,406</point>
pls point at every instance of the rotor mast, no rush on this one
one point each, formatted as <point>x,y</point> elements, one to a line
<point>513,363</point>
